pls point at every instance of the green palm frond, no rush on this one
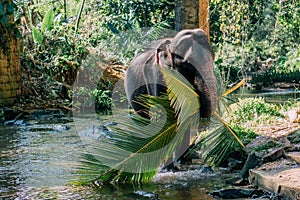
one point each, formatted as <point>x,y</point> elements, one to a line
<point>182,96</point>
<point>184,100</point>
<point>217,145</point>
<point>124,156</point>
<point>134,151</point>
<point>230,130</point>
<point>220,140</point>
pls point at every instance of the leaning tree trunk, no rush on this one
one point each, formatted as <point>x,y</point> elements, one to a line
<point>10,73</point>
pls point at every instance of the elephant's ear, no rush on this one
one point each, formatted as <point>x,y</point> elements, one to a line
<point>152,76</point>
<point>163,58</point>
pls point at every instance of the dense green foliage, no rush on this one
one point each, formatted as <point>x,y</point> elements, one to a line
<point>247,114</point>
<point>255,37</point>
<point>251,38</point>
<point>249,109</point>
<point>58,41</point>
<point>123,156</point>
<point>127,15</point>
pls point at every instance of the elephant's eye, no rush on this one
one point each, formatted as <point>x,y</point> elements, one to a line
<point>177,59</point>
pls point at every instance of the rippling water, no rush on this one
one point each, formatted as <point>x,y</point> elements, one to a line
<point>37,161</point>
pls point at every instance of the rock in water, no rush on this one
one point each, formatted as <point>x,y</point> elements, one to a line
<point>146,194</point>
<point>236,193</point>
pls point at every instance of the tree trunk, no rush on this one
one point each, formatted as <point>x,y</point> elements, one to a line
<point>190,14</point>
<point>186,14</point>
<point>204,16</point>
<point>179,10</point>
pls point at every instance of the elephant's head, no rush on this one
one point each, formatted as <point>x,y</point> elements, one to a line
<point>193,58</point>
<point>188,52</point>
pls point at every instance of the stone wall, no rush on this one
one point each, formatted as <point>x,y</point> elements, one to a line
<point>10,73</point>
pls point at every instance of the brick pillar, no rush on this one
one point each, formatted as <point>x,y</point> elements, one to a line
<point>10,72</point>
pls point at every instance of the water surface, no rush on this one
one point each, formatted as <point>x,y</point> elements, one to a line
<point>37,161</point>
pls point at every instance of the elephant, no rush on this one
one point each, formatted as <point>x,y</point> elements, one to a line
<point>188,52</point>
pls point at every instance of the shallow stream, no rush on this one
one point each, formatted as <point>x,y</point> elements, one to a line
<point>38,157</point>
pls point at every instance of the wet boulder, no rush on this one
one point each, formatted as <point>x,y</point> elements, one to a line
<point>253,160</point>
<point>294,137</point>
<point>95,133</point>
<point>235,193</point>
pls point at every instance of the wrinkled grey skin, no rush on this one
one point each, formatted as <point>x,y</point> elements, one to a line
<point>194,59</point>
<point>189,53</point>
<point>143,75</point>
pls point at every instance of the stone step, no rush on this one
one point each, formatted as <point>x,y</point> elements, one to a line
<point>293,155</point>
<point>280,177</point>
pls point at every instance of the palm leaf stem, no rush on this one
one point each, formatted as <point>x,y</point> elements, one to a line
<point>242,82</point>
<point>229,129</point>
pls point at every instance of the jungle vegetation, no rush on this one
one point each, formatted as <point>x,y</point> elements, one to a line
<point>251,38</point>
